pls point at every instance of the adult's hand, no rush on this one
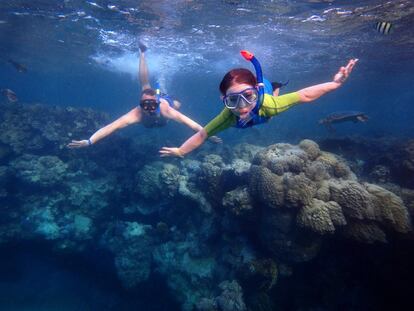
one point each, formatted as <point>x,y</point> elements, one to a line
<point>78,144</point>
<point>171,152</point>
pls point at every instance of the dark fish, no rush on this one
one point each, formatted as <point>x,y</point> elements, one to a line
<point>19,67</point>
<point>10,95</point>
<point>343,116</point>
<point>383,27</point>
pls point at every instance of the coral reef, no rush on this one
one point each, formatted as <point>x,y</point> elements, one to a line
<point>231,297</point>
<point>318,190</point>
<point>157,180</point>
<point>131,244</point>
<point>321,217</point>
<point>383,160</point>
<point>45,171</point>
<point>214,226</point>
<point>238,201</point>
<point>189,277</point>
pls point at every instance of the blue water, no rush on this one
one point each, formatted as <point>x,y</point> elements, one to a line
<point>84,54</point>
<point>34,277</point>
<point>81,55</point>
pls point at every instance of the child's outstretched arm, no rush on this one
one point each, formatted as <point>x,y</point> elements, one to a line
<point>189,145</point>
<point>175,115</point>
<point>314,92</point>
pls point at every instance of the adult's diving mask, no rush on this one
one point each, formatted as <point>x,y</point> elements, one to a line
<point>149,105</point>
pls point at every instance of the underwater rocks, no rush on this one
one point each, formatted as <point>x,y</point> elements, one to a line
<point>158,184</point>
<point>131,244</point>
<point>48,218</point>
<point>321,217</point>
<point>189,277</point>
<point>157,180</point>
<point>259,275</point>
<point>41,129</point>
<point>382,160</point>
<point>44,171</point>
<point>389,209</point>
<point>301,186</point>
<point>238,201</point>
<point>230,299</point>
<point>221,228</point>
<point>211,172</point>
<point>407,165</point>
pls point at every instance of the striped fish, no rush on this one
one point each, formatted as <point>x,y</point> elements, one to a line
<point>383,27</point>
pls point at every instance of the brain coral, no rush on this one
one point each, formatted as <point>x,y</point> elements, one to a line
<point>266,187</point>
<point>389,208</point>
<point>318,190</point>
<point>311,148</point>
<point>321,216</point>
<point>366,232</point>
<point>354,199</point>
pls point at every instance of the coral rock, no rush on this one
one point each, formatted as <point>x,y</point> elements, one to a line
<point>365,232</point>
<point>390,209</point>
<point>42,171</point>
<point>231,298</point>
<point>354,199</point>
<point>238,201</point>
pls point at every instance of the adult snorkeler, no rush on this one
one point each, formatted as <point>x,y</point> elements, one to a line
<point>247,103</point>
<point>154,110</point>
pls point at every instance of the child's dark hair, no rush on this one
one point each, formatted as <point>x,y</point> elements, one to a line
<point>238,75</point>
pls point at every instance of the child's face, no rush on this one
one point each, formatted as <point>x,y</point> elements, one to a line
<point>244,107</point>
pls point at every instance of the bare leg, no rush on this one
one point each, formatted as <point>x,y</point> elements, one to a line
<point>143,72</point>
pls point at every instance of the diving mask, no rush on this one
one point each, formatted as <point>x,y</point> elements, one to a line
<point>247,97</point>
<point>149,105</point>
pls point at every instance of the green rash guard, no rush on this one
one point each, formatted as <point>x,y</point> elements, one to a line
<point>272,105</point>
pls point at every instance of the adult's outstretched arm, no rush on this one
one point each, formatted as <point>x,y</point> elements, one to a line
<point>131,117</point>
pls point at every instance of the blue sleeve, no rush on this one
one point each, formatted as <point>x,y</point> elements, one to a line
<point>267,87</point>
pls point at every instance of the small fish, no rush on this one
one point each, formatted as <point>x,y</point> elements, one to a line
<point>10,95</point>
<point>19,67</point>
<point>383,27</point>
